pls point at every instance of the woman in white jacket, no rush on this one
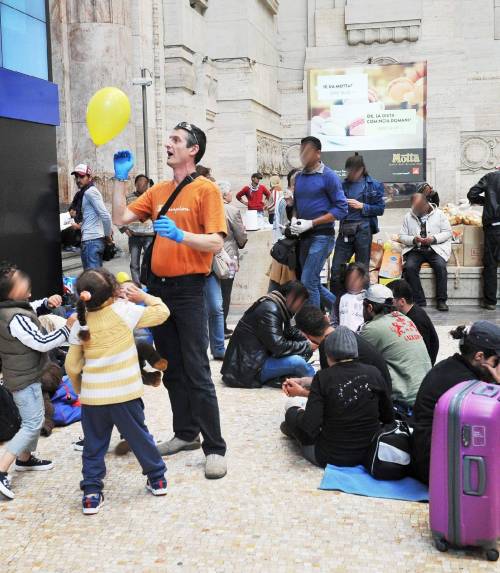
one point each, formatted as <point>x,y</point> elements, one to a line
<point>426,234</point>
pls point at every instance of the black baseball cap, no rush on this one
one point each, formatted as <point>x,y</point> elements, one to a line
<point>484,334</point>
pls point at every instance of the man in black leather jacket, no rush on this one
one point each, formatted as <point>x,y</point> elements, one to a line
<point>264,346</point>
<point>486,192</point>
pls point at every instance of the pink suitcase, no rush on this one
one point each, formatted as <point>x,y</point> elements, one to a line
<point>464,485</point>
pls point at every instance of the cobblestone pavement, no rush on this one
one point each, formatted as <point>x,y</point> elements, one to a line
<point>267,515</point>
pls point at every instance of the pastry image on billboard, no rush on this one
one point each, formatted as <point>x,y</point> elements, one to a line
<point>371,108</point>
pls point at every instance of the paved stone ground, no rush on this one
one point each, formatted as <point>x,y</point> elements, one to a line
<point>267,515</point>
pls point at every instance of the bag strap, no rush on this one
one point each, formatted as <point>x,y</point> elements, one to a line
<point>164,210</point>
<point>186,181</point>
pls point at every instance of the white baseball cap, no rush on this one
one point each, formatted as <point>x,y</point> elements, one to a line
<point>378,293</point>
<point>82,169</point>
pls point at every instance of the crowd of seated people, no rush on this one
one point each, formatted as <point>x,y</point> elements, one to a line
<point>370,374</point>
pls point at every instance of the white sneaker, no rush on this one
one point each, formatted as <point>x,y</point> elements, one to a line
<point>216,466</point>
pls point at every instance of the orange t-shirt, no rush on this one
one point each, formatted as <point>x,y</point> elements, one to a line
<point>198,209</point>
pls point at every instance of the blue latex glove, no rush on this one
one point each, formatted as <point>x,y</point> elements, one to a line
<point>167,229</point>
<point>123,162</point>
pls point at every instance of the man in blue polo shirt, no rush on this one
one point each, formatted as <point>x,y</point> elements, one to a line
<point>319,202</point>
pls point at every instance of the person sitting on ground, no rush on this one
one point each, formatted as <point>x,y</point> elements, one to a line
<point>426,234</point>
<point>264,346</point>
<point>400,343</point>
<point>356,280</point>
<point>428,191</point>
<point>478,360</point>
<point>314,324</point>
<point>403,302</point>
<point>347,403</point>
<point>23,353</point>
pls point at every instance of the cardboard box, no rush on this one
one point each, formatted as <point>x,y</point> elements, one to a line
<point>457,255</point>
<point>457,234</point>
<point>473,245</point>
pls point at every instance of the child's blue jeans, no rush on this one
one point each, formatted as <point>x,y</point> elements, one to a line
<point>29,402</point>
<point>98,423</point>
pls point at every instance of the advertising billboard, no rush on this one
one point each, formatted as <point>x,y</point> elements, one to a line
<point>376,110</point>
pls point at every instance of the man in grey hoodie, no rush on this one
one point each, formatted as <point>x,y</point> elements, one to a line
<point>426,234</point>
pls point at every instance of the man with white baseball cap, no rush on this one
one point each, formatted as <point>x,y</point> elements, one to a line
<point>91,216</point>
<point>398,340</point>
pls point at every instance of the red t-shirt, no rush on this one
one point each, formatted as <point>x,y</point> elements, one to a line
<point>255,198</point>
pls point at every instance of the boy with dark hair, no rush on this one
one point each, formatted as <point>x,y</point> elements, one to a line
<point>313,323</point>
<point>403,301</point>
<point>23,353</point>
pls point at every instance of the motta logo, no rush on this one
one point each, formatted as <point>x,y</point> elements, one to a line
<point>404,158</point>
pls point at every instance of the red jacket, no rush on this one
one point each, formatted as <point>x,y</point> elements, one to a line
<point>255,198</point>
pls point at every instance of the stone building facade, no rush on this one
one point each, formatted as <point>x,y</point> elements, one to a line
<point>238,69</point>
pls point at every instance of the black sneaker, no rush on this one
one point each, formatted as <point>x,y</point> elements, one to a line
<point>78,446</point>
<point>5,487</point>
<point>33,465</point>
<point>442,306</point>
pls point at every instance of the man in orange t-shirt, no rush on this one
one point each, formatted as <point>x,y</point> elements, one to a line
<point>186,240</point>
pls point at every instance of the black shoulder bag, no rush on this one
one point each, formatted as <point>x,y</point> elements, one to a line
<point>146,272</point>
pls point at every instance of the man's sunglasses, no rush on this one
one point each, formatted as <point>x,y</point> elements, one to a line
<point>189,128</point>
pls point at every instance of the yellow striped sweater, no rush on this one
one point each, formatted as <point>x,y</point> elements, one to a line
<point>105,370</point>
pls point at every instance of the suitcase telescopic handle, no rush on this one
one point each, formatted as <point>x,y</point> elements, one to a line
<point>467,475</point>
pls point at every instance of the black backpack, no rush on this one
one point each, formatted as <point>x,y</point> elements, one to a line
<point>10,420</point>
<point>388,457</point>
<point>285,252</point>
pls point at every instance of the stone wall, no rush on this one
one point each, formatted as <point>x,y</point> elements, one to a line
<point>238,67</point>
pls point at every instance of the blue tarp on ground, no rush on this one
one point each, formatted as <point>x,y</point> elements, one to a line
<point>358,481</point>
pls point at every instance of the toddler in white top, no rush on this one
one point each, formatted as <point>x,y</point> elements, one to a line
<point>351,303</point>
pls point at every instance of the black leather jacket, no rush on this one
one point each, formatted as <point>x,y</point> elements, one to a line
<point>487,192</point>
<point>260,334</point>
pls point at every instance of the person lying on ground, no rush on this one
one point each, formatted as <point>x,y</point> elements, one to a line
<point>347,403</point>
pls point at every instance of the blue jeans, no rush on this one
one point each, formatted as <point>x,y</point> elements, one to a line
<point>359,246</point>
<point>314,251</point>
<point>91,253</point>
<point>215,310</point>
<point>293,366</point>
<point>29,402</point>
<point>98,423</point>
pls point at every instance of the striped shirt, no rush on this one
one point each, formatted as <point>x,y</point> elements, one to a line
<point>105,370</point>
<point>32,336</point>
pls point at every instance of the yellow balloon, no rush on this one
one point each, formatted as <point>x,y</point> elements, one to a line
<point>108,113</point>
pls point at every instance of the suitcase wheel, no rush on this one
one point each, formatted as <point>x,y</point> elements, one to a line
<point>492,555</point>
<point>441,545</point>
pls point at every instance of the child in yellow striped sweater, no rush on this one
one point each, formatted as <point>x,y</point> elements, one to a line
<point>103,366</point>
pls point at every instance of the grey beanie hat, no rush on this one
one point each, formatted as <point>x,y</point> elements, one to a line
<point>341,344</point>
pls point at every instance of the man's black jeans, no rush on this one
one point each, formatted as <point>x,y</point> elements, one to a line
<point>183,341</point>
<point>414,259</point>
<point>491,260</point>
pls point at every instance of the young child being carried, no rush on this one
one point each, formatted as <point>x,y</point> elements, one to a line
<point>356,280</point>
<point>23,352</point>
<point>103,366</point>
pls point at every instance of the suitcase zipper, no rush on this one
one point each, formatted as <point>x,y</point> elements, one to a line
<point>454,449</point>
